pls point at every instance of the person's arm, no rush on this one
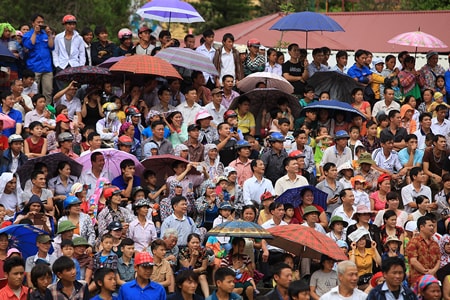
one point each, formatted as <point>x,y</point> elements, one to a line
<point>376,257</point>
<point>417,265</point>
<point>118,280</point>
<point>84,107</point>
<point>446,288</point>
<point>59,94</point>
<point>265,255</point>
<point>323,220</point>
<point>183,175</point>
<point>426,170</point>
<point>312,291</point>
<point>289,77</point>
<point>203,267</point>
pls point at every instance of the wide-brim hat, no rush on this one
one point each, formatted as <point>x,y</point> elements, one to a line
<point>362,209</point>
<point>365,158</point>
<point>336,219</point>
<point>309,210</point>
<point>392,238</point>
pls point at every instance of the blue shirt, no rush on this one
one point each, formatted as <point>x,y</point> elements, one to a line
<point>148,133</point>
<point>132,291</point>
<point>403,156</point>
<point>16,116</point>
<point>359,73</point>
<point>120,183</point>
<point>39,55</point>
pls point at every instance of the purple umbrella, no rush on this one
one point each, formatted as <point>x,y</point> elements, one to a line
<point>110,61</point>
<point>84,74</point>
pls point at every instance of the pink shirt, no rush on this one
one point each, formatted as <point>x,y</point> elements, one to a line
<point>244,171</point>
<point>141,235</point>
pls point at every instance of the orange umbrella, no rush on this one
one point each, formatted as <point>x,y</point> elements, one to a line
<point>145,65</point>
<point>305,242</point>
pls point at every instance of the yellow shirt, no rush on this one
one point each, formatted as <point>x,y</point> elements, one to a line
<point>363,263</point>
<point>246,122</point>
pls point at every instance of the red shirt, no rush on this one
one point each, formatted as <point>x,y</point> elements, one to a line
<point>7,293</point>
<point>3,142</point>
<point>426,252</point>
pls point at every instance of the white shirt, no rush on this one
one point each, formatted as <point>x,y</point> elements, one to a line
<point>73,106</point>
<point>284,183</point>
<point>334,295</point>
<point>253,189</point>
<point>216,114</point>
<point>88,178</point>
<point>336,69</point>
<point>77,51</point>
<point>271,224</point>
<point>317,227</point>
<point>227,67</point>
<point>32,89</point>
<point>188,112</point>
<point>443,128</point>
<point>421,139</point>
<point>339,211</point>
<point>381,106</point>
<point>391,163</point>
<point>409,193</point>
<point>27,101</point>
<point>208,53</point>
<point>332,155</point>
<point>276,69</point>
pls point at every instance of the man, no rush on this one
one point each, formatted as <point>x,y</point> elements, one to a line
<point>126,181</point>
<point>414,189</point>
<point>394,271</point>
<point>331,186</point>
<point>422,251</point>
<point>164,145</point>
<point>296,71</point>
<point>242,163</point>
<point>14,268</point>
<point>30,87</point>
<point>189,41</point>
<point>22,102</point>
<point>291,179</point>
<point>341,62</point>
<point>226,144</point>
<point>65,145</point>
<point>316,65</point>
<point>39,188</point>
<point>43,244</point>
<point>203,93</point>
<point>170,239</point>
<point>273,159</point>
<point>39,42</point>
<point>89,178</point>
<point>254,62</point>
<point>144,47</point>
<point>431,70</point>
<point>190,107</point>
<point>7,109</point>
<point>67,97</point>
<point>228,93</point>
<point>359,71</point>
<point>435,159</point>
<point>386,158</point>
<point>424,129</point>
<point>226,60</point>
<point>94,141</point>
<point>386,105</point>
<point>410,156</point>
<point>282,275</point>
<point>348,283</point>
<point>209,51</point>
<point>164,96</point>
<point>165,39</point>
<point>439,124</point>
<point>195,148</point>
<point>142,287</point>
<point>257,185</point>
<point>13,157</point>
<point>301,140</point>
<point>337,154</point>
<point>37,113</point>
<point>346,209</point>
<point>394,128</point>
<point>215,107</point>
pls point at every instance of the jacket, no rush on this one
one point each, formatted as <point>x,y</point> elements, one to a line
<point>77,55</point>
<point>6,160</point>
<point>272,295</point>
<point>378,294</point>
<point>238,67</point>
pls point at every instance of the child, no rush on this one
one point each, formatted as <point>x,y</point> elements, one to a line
<point>106,258</point>
<point>125,268</point>
<point>3,223</point>
<point>383,122</point>
<point>322,142</point>
<point>264,215</point>
<point>242,274</point>
<point>325,120</point>
<point>14,268</point>
<point>85,138</point>
<point>324,96</point>
<point>284,126</point>
<point>162,271</point>
<point>337,225</point>
<point>392,248</point>
<point>67,250</point>
<point>255,146</point>
<point>346,171</point>
<point>339,122</point>
<point>289,214</point>
<point>35,145</point>
<point>357,121</point>
<point>48,119</point>
<point>272,122</point>
<point>3,139</point>
<point>440,87</point>
<point>64,269</point>
<point>308,96</point>
<point>354,141</point>
<point>438,100</point>
<point>299,290</point>
<point>41,277</point>
<point>393,84</point>
<point>105,280</point>
<point>361,197</point>
<point>80,244</point>
<point>150,179</point>
<point>289,260</point>
<point>224,281</point>
<point>120,113</point>
<point>225,215</point>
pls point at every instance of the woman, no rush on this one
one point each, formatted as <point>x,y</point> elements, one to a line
<point>35,212</point>
<point>128,129</point>
<point>363,216</point>
<point>410,80</point>
<point>423,204</point>
<point>162,271</point>
<point>194,256</point>
<point>413,102</point>
<point>427,97</point>
<point>238,246</point>
<point>360,104</point>
<point>186,283</point>
<point>378,198</point>
<point>178,129</point>
<point>370,141</point>
<point>10,194</point>
<point>246,120</point>
<point>392,202</point>
<point>390,229</point>
<point>82,221</point>
<point>234,190</point>
<point>61,184</point>
<point>249,213</point>
<point>212,161</point>
<point>271,65</point>
<point>182,151</point>
<point>87,36</point>
<point>62,125</point>
<point>91,109</point>
<point>406,113</point>
<point>207,205</point>
<point>4,242</point>
<point>307,197</point>
<point>428,288</point>
<point>142,231</point>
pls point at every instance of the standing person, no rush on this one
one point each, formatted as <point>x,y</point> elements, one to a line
<point>273,159</point>
<point>291,179</point>
<point>102,49</point>
<point>228,93</point>
<point>209,51</point>
<point>14,269</point>
<point>254,62</point>
<point>431,70</point>
<point>226,60</point>
<point>296,71</point>
<point>67,286</point>
<point>144,46</point>
<point>142,231</point>
<point>39,42</point>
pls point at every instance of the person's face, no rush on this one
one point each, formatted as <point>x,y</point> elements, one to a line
<point>280,60</point>
<point>309,95</point>
<point>441,113</point>
<point>17,88</point>
<point>396,120</point>
<point>295,52</point>
<point>11,185</point>
<point>39,181</point>
<point>209,40</point>
<point>67,235</point>
<point>107,244</point>
<point>441,144</point>
<point>385,186</point>
<point>79,250</point>
<point>277,145</point>
<point>130,131</point>
<point>292,167</point>
<point>354,134</point>
<point>191,96</point>
<point>361,60</point>
<point>312,218</point>
<point>3,242</point>
<point>244,152</point>
<point>181,207</point>
<point>35,207</point>
<point>393,204</point>
<point>38,21</point>
<point>379,67</point>
<point>284,279</point>
<point>145,36</point>
<point>249,215</point>
<point>312,115</point>
<point>303,295</point>
<point>424,205</point>
<point>170,242</point>
<point>158,132</point>
<point>331,173</point>
<point>44,247</point>
<point>432,61</point>
<point>143,272</point>
<point>194,243</point>
<point>388,146</point>
<point>342,143</point>
<point>278,212</point>
<point>65,171</point>
<point>44,281</point>
<point>318,58</point>
<point>109,282</point>
<point>349,197</point>
<point>8,101</point>
<point>349,278</point>
<point>75,209</point>
<point>95,144</point>
<point>165,97</point>
<point>412,144</point>
<point>15,277</point>
<point>99,162</point>
<point>342,61</point>
<point>28,81</point>
<point>227,284</point>
<point>189,286</point>
<point>426,122</point>
<point>103,37</point>
<point>128,250</point>
<point>244,107</point>
<point>302,139</point>
<point>67,251</point>
<point>159,252</point>
<point>228,44</point>
<point>88,38</point>
<point>224,130</point>
<point>432,292</point>
<point>217,98</point>
<point>358,96</point>
<point>70,27</point>
<point>273,57</point>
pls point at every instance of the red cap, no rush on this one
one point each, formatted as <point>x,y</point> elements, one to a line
<point>384,177</point>
<point>143,259</point>
<point>62,118</point>
<point>125,140</point>
<point>69,19</point>
<point>253,42</point>
<point>144,28</point>
<point>266,196</point>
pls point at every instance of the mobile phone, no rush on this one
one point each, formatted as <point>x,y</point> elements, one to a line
<point>38,219</point>
<point>43,26</point>
<point>219,190</point>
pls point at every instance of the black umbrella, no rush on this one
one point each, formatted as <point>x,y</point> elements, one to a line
<point>340,86</point>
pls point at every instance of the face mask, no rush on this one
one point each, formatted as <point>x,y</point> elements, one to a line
<point>112,116</point>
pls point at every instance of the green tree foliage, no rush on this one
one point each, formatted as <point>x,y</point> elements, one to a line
<point>111,13</point>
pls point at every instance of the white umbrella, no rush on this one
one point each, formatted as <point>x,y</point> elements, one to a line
<point>269,79</point>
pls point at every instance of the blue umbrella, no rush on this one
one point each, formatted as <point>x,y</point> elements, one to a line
<point>5,54</point>
<point>240,228</point>
<point>292,196</point>
<point>306,21</point>
<point>23,237</point>
<point>333,105</point>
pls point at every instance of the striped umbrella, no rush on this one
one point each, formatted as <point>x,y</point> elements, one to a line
<point>145,65</point>
<point>188,58</point>
<point>240,228</point>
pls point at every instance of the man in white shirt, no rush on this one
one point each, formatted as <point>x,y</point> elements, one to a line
<point>291,179</point>
<point>439,124</point>
<point>414,189</point>
<point>424,129</point>
<point>346,209</point>
<point>190,107</point>
<point>386,105</point>
<point>90,177</point>
<point>257,185</point>
<point>67,97</point>
<point>209,51</point>
<point>215,107</point>
<point>227,60</point>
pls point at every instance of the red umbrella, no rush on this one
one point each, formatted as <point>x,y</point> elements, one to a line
<point>145,65</point>
<point>7,121</point>
<point>305,242</point>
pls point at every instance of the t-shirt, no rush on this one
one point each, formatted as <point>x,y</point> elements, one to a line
<point>295,70</point>
<point>323,281</point>
<point>228,153</point>
<point>436,165</point>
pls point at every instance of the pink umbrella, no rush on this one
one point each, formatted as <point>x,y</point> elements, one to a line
<point>7,121</point>
<point>417,39</point>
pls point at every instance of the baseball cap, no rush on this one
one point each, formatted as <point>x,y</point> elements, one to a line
<point>193,127</point>
<point>144,28</point>
<point>216,91</point>
<point>125,140</point>
<point>65,136</point>
<point>115,225</point>
<point>143,259</point>
<point>15,138</point>
<point>43,238</point>
<point>62,118</point>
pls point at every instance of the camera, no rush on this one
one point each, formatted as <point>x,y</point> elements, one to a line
<point>43,26</point>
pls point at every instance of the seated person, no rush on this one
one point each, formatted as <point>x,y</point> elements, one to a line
<point>34,211</point>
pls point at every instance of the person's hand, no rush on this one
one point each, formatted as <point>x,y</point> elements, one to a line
<point>373,244</point>
<point>194,253</point>
<point>306,63</point>
<point>88,250</point>
<point>171,258</point>
<point>265,255</point>
<point>9,212</point>
<point>71,84</point>
<point>125,226</point>
<point>353,245</point>
<point>37,28</point>
<point>128,176</point>
<point>437,178</point>
<point>189,167</point>
<point>30,214</point>
<point>332,200</point>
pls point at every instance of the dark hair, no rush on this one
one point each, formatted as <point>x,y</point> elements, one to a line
<point>328,166</point>
<point>437,137</point>
<point>94,156</point>
<point>156,123</point>
<point>158,243</point>
<point>388,214</point>
<point>35,174</point>
<point>188,89</point>
<point>370,123</point>
<point>308,89</point>
<point>423,115</point>
<point>243,99</point>
<point>65,243</point>
<point>287,160</point>
<point>403,53</point>
<point>6,94</point>
<point>323,93</point>
<point>164,33</point>
<point>317,51</point>
<point>298,286</point>
<point>414,171</point>
<point>38,271</point>
<point>392,113</point>
<point>12,262</point>
<point>274,205</point>
<point>410,137</point>
<point>227,36</point>
<point>423,220</point>
<point>148,173</point>
<point>270,51</point>
<point>360,52</point>
<point>284,121</point>
<point>384,138</point>
<point>354,127</point>
<point>36,97</point>
<point>382,117</point>
<point>208,33</point>
<point>177,163</point>
<point>126,242</point>
<point>288,206</point>
<point>35,16</point>
<point>389,57</point>
<point>343,192</point>
<point>419,199</point>
<point>34,124</point>
<point>106,236</point>
<point>222,273</point>
<point>355,90</point>
<point>177,199</point>
<point>341,53</point>
<point>409,59</point>
<point>170,117</point>
<point>391,196</point>
<point>126,163</point>
<point>91,136</point>
<point>292,46</point>
<point>193,235</point>
<point>441,107</point>
<point>278,267</point>
<point>224,77</point>
<point>85,31</point>
<point>163,89</point>
<point>99,275</point>
<point>100,29</point>
<point>62,263</point>
<point>183,276</point>
<point>252,207</point>
<point>297,132</point>
<point>195,74</point>
<point>389,262</point>
<point>253,164</point>
<point>274,112</point>
<point>279,54</point>
<point>187,36</point>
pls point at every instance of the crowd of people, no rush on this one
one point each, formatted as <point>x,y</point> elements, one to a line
<point>386,176</point>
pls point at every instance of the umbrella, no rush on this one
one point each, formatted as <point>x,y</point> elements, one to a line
<point>188,58</point>
<point>334,105</point>
<point>306,21</point>
<point>170,11</point>
<point>110,61</point>
<point>7,121</point>
<point>113,158</point>
<point>5,54</point>
<point>145,65</point>
<point>51,161</point>
<point>417,39</point>
<point>340,86</point>
<point>84,74</point>
<point>292,237</point>
<point>240,228</point>
<point>162,166</point>
<point>266,98</point>
<point>271,80</point>
<point>292,196</point>
<point>23,237</point>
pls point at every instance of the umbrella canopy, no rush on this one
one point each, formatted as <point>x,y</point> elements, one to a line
<point>340,86</point>
<point>188,58</point>
<point>162,166</point>
<point>170,11</point>
<point>271,80</point>
<point>145,65</point>
<point>306,21</point>
<point>240,228</point>
<point>51,161</point>
<point>305,242</point>
<point>110,61</point>
<point>113,158</point>
<point>23,237</point>
<point>5,54</point>
<point>7,121</point>
<point>84,74</point>
<point>333,105</point>
<point>292,196</point>
<point>417,39</point>
<point>261,99</point>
